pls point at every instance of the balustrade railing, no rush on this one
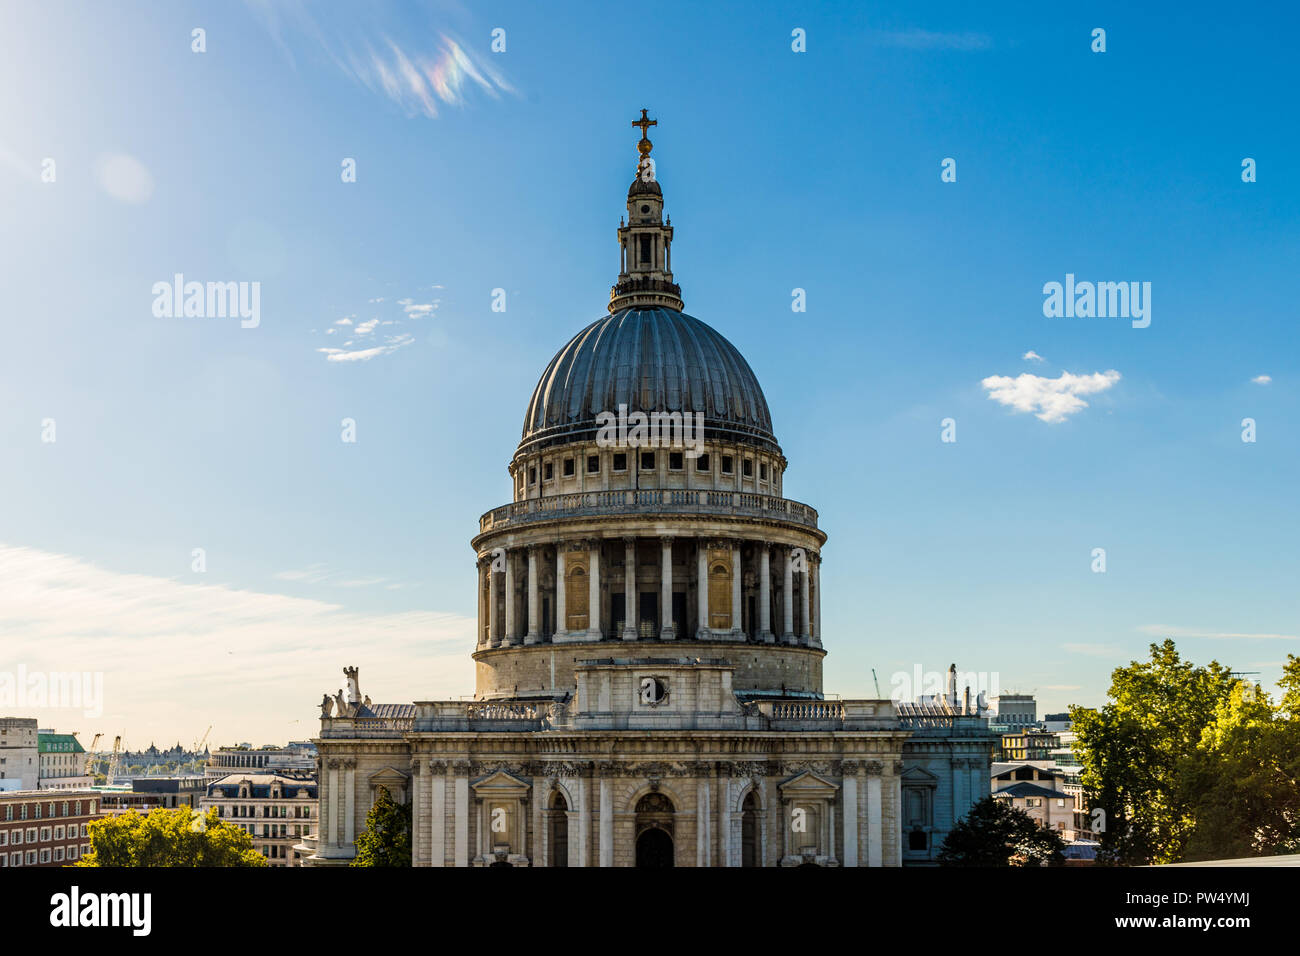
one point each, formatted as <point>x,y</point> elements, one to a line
<point>678,501</point>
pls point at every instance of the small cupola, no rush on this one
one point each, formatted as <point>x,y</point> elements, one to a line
<point>645,277</point>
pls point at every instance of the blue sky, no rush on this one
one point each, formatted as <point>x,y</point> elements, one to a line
<point>817,170</point>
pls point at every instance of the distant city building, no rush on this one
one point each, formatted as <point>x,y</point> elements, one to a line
<point>298,756</point>
<point>277,810</point>
<point>1036,790</point>
<point>153,757</point>
<point>19,753</point>
<point>1057,723</point>
<point>46,827</point>
<point>62,762</point>
<point>1014,712</point>
<point>1029,745</point>
<point>151,793</point>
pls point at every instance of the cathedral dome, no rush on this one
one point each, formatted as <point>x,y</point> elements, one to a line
<point>649,360</point>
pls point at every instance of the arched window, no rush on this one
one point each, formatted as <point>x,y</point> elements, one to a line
<point>575,600</point>
<point>719,597</point>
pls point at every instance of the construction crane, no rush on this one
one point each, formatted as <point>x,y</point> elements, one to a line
<point>198,744</point>
<point>114,761</point>
<point>90,756</point>
<point>877,683</point>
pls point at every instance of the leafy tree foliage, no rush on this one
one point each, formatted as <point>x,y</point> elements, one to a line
<point>994,833</point>
<point>387,837</point>
<point>169,837</point>
<point>1189,763</point>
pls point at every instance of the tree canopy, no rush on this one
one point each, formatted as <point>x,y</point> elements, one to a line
<point>169,837</point>
<point>994,833</point>
<point>1190,763</point>
<point>387,837</point>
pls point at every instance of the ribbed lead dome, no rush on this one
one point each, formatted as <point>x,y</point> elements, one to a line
<point>651,360</point>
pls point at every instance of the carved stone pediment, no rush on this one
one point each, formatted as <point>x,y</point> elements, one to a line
<point>809,786</point>
<point>501,784</point>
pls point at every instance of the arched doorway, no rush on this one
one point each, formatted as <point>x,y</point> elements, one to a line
<point>654,829</point>
<point>749,831</point>
<point>654,848</point>
<point>558,830</point>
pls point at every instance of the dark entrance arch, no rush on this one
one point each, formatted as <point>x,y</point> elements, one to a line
<point>749,831</point>
<point>654,848</point>
<point>654,831</point>
<point>558,822</point>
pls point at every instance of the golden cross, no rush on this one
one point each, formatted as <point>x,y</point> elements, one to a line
<point>644,123</point>
<point>645,145</point>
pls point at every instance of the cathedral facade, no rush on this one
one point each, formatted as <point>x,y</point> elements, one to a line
<point>649,647</point>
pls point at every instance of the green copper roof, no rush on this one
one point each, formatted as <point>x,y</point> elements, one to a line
<point>59,744</point>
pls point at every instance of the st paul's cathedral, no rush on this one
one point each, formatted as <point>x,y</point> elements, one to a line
<point>649,645</point>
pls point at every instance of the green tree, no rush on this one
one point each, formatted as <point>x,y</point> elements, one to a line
<point>1243,781</point>
<point>387,837</point>
<point>169,837</point>
<point>1133,749</point>
<point>994,833</point>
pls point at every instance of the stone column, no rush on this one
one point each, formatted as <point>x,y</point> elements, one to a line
<point>512,636</point>
<point>805,605</point>
<point>418,839</point>
<point>765,594</point>
<point>438,811</point>
<point>875,823</point>
<point>349,802</point>
<point>462,814</point>
<point>494,597</point>
<point>666,629</point>
<point>787,594</point>
<point>702,823</point>
<point>484,614</point>
<point>537,849</point>
<point>534,634</point>
<point>736,631</point>
<point>561,593</point>
<point>332,811</point>
<point>580,857</point>
<point>850,791</point>
<point>630,609</point>
<point>817,601</point>
<point>724,816</point>
<point>593,594</point>
<point>702,589</point>
<point>606,817</point>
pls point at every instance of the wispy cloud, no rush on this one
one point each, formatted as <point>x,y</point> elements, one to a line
<point>1262,379</point>
<point>1050,399</point>
<point>1164,630</point>
<point>419,76</point>
<point>1032,356</point>
<point>1094,650</point>
<point>393,343</point>
<point>928,40</point>
<point>175,655</point>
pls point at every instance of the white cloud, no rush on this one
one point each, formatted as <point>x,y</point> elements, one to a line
<point>927,40</point>
<point>1032,356</point>
<point>365,328</point>
<point>1262,379</point>
<point>1051,399</point>
<point>343,322</point>
<point>177,656</point>
<point>394,343</point>
<point>1093,650</point>
<point>417,310</point>
<point>1164,630</point>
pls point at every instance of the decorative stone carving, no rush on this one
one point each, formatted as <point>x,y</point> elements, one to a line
<point>437,766</point>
